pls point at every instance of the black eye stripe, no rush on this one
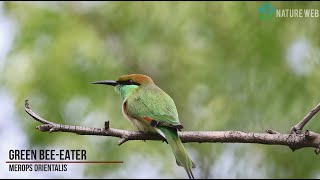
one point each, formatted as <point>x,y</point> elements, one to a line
<point>128,82</point>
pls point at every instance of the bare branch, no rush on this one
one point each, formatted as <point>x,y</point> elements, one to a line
<point>293,141</point>
<point>296,129</point>
<point>122,140</point>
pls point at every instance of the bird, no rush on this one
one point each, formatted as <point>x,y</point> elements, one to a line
<point>150,109</point>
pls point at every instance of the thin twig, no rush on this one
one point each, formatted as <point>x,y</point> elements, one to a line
<point>296,129</point>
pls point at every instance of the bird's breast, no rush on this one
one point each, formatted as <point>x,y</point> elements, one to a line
<point>124,110</point>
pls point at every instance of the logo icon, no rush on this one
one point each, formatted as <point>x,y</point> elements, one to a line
<point>266,11</point>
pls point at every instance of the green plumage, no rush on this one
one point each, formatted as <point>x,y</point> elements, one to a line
<point>151,101</point>
<point>180,153</point>
<point>148,100</point>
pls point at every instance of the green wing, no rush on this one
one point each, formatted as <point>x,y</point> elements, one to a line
<point>152,102</point>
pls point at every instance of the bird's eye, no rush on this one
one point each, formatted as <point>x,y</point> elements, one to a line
<point>130,81</point>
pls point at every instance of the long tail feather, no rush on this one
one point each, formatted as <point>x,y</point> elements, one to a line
<point>180,153</point>
<point>190,174</point>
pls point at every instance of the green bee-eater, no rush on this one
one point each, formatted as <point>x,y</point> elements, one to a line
<point>150,109</point>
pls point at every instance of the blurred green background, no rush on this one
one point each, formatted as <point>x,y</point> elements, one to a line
<point>225,68</point>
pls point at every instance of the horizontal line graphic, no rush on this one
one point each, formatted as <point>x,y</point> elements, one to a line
<point>65,162</point>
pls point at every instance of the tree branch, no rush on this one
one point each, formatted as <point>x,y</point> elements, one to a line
<point>298,127</point>
<point>294,141</point>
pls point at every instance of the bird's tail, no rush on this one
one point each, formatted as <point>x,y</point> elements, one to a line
<point>180,153</point>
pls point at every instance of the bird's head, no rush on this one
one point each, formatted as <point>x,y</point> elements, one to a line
<point>127,84</point>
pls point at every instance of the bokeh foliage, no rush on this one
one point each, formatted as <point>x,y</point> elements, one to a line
<point>225,68</point>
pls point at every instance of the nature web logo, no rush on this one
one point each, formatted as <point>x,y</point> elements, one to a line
<point>266,11</point>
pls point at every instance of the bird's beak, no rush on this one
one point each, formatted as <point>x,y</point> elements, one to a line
<point>106,82</point>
